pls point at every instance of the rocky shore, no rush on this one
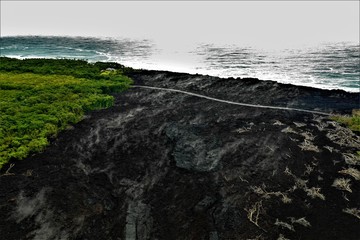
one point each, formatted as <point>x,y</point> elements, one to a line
<point>166,165</point>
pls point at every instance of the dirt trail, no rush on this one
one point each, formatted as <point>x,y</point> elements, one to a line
<point>231,102</point>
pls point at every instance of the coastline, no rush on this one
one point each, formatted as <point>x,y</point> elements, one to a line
<point>290,93</point>
<point>317,65</point>
<point>194,72</point>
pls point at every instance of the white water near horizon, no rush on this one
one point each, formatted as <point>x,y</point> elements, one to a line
<point>321,65</point>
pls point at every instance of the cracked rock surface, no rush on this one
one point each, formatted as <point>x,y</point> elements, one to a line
<point>165,165</point>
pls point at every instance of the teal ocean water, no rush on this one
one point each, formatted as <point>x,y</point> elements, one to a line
<point>326,65</point>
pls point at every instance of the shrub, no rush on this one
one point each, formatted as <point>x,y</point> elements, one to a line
<point>353,122</point>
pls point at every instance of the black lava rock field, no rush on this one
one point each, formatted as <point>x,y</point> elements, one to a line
<point>168,165</point>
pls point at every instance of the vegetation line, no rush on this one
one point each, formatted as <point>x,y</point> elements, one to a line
<point>231,102</point>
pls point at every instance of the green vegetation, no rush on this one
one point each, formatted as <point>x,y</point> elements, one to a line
<point>40,97</point>
<point>76,68</point>
<point>353,122</point>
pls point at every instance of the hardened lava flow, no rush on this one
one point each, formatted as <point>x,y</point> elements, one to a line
<point>167,165</point>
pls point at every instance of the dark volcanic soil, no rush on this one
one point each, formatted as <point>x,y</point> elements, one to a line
<point>163,165</point>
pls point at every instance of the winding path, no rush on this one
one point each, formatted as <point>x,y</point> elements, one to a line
<point>231,102</point>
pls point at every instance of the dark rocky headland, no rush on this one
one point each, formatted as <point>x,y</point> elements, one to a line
<point>166,165</point>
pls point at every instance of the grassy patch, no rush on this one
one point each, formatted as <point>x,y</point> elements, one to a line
<point>76,68</point>
<point>35,107</point>
<point>353,121</point>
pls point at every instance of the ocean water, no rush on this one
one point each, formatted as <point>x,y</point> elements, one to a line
<point>326,65</point>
